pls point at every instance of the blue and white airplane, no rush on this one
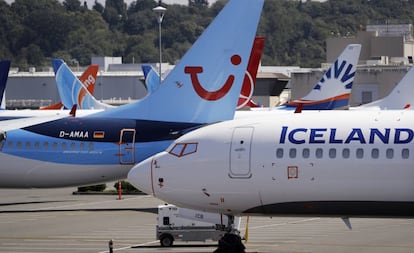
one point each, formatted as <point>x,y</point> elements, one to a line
<point>203,88</point>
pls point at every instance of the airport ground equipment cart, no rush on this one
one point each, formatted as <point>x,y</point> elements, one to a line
<point>175,223</point>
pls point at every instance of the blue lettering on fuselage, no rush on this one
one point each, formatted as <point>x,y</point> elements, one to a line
<point>354,135</point>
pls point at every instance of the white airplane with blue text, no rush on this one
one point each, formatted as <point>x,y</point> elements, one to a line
<point>203,88</point>
<point>326,163</point>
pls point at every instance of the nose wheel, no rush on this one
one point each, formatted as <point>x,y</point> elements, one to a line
<point>231,242</point>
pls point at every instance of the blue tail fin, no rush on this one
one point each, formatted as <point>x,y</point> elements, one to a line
<point>72,91</point>
<point>334,88</point>
<point>205,85</point>
<point>152,78</point>
<point>4,74</point>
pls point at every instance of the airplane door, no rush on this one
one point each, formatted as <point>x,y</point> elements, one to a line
<point>240,149</point>
<point>126,146</point>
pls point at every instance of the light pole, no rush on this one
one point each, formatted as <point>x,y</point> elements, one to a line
<point>160,11</point>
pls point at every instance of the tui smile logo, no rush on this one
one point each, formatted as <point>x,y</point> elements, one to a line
<point>211,95</point>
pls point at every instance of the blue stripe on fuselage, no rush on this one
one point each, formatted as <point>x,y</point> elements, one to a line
<point>2,118</point>
<point>108,129</point>
<point>91,141</point>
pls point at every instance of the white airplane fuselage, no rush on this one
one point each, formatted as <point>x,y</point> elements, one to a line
<point>334,163</point>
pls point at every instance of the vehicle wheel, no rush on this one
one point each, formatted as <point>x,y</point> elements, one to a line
<point>230,243</point>
<point>166,241</point>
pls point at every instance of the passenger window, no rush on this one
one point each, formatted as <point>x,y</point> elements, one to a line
<point>305,153</point>
<point>28,145</point>
<point>19,144</point>
<point>375,153</point>
<point>37,145</point>
<point>319,153</point>
<point>9,144</point>
<point>332,153</point>
<point>54,145</point>
<point>405,153</point>
<point>345,153</point>
<point>64,145</point>
<point>279,153</point>
<point>91,146</point>
<point>72,145</point>
<point>82,146</point>
<point>292,153</point>
<point>389,153</point>
<point>360,153</point>
<point>45,145</point>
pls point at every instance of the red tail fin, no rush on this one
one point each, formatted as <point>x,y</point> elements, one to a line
<point>88,78</point>
<point>252,68</point>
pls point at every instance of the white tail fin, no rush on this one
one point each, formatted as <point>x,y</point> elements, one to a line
<point>334,88</point>
<point>401,97</point>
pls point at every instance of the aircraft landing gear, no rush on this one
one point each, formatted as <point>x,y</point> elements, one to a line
<point>231,242</point>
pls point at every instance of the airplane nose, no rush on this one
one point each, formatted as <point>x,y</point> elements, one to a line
<point>140,176</point>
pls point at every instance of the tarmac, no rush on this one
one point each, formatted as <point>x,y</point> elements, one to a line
<point>55,220</point>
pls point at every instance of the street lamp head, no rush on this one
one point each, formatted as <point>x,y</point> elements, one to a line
<point>160,11</point>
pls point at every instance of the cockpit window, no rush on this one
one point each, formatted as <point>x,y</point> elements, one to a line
<point>183,149</point>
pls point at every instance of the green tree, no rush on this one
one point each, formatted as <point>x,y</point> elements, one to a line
<point>72,5</point>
